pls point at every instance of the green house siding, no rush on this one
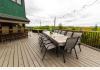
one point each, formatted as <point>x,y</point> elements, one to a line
<point>12,17</point>
<point>1,5</point>
<point>11,8</point>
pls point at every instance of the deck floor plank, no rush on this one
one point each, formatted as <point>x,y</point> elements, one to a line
<point>31,63</point>
<point>3,56</point>
<point>21,62</point>
<point>34,59</point>
<point>37,57</point>
<point>16,55</point>
<point>6,61</point>
<point>26,63</point>
<point>11,58</point>
<point>2,49</point>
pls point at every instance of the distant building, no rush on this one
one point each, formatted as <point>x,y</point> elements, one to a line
<point>12,16</point>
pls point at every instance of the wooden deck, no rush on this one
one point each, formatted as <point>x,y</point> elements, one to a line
<point>26,53</point>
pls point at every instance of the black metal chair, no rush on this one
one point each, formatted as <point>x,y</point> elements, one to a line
<point>59,31</point>
<point>69,45</point>
<point>42,39</point>
<point>3,38</point>
<point>69,34</point>
<point>55,31</point>
<point>8,37</point>
<point>78,34</point>
<point>63,32</point>
<point>47,45</point>
<point>12,36</point>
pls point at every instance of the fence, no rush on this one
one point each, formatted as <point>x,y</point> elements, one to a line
<point>92,39</point>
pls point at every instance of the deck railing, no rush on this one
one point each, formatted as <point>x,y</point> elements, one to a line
<point>91,38</point>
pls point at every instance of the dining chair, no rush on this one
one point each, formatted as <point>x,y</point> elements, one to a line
<point>15,36</point>
<point>42,39</point>
<point>47,46</point>
<point>8,37</point>
<point>78,34</point>
<point>69,34</point>
<point>12,36</point>
<point>46,40</point>
<point>3,38</point>
<point>59,31</point>
<point>69,46</point>
<point>55,31</point>
<point>63,32</point>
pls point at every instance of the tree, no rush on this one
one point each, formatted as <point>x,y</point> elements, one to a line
<point>95,28</point>
<point>73,28</point>
<point>60,26</point>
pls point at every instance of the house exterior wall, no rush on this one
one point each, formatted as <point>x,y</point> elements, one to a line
<point>12,8</point>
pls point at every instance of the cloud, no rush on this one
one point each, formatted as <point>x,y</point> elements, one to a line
<point>72,12</point>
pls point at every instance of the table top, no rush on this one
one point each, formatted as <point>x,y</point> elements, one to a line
<point>59,38</point>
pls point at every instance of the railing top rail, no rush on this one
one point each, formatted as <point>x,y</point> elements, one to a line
<point>91,31</point>
<point>79,31</point>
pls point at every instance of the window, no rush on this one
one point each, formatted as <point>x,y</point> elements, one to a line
<point>14,0</point>
<point>18,1</point>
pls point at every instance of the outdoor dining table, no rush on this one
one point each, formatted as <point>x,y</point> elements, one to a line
<point>59,39</point>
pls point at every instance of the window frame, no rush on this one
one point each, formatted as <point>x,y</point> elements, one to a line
<point>19,2</point>
<point>16,1</point>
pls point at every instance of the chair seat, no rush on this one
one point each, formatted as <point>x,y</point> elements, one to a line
<point>46,42</point>
<point>45,39</point>
<point>50,46</point>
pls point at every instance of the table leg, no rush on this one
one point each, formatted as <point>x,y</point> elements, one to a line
<point>57,51</point>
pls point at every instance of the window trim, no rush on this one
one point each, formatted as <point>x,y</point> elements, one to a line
<point>16,1</point>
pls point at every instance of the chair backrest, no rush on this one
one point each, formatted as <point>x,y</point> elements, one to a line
<point>69,34</point>
<point>77,34</point>
<point>45,37</point>
<point>70,43</point>
<point>40,34</point>
<point>40,40</point>
<point>63,32</point>
<point>59,31</point>
<point>56,31</point>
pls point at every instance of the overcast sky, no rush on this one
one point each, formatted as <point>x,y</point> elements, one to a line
<point>67,12</point>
